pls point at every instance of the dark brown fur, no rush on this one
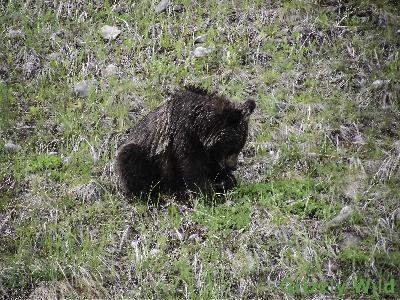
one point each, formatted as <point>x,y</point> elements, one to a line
<point>190,142</point>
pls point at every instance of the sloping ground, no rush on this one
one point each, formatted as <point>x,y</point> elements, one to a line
<point>319,196</point>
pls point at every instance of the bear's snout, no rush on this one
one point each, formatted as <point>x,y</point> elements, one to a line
<point>231,162</point>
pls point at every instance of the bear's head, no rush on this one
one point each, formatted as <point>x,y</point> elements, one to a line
<point>226,133</point>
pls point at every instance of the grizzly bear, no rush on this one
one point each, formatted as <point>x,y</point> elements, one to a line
<point>189,143</point>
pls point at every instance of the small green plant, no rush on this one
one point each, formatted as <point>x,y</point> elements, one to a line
<point>223,218</point>
<point>45,162</point>
<point>296,196</point>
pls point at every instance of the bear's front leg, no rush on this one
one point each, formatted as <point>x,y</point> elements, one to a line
<point>195,174</point>
<point>196,181</point>
<point>225,181</point>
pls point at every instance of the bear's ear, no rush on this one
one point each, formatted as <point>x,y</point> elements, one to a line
<point>247,108</point>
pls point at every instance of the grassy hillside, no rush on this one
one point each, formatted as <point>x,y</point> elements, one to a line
<point>319,198</point>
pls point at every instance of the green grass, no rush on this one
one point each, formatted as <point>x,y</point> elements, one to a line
<point>323,137</point>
